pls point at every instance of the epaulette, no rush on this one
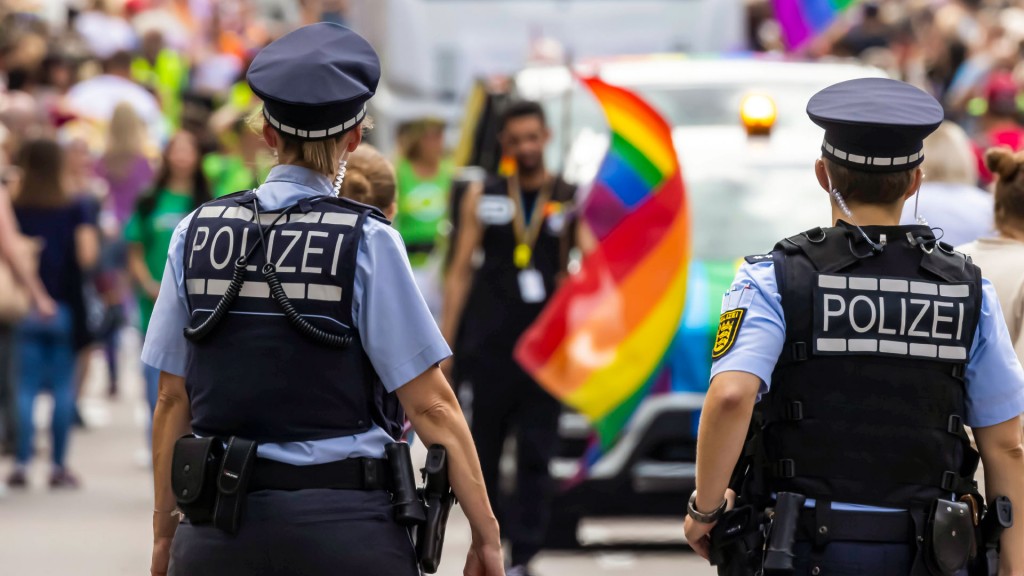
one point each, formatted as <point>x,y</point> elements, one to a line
<point>755,258</point>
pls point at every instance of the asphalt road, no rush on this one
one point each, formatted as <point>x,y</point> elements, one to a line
<point>104,528</point>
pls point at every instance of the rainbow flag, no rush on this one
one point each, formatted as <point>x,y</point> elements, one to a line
<point>600,344</point>
<point>802,20</point>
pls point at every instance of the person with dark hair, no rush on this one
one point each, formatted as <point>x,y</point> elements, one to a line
<point>47,344</point>
<point>179,188</point>
<point>1000,126</point>
<point>1002,255</point>
<point>515,220</point>
<point>848,362</point>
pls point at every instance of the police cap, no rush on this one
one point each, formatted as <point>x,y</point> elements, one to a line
<point>315,81</point>
<point>875,124</point>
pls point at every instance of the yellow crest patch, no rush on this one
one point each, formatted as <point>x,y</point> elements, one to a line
<point>728,328</point>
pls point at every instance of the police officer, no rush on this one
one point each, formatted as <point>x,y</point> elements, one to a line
<point>515,224</point>
<point>307,355</point>
<point>866,347</point>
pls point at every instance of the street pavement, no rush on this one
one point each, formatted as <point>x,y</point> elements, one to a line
<point>104,528</point>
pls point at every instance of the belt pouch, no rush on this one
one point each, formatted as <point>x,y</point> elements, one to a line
<point>194,467</point>
<point>232,483</point>
<point>949,537</point>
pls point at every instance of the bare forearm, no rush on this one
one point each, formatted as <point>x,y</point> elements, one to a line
<point>445,424</point>
<point>170,422</point>
<point>724,422</point>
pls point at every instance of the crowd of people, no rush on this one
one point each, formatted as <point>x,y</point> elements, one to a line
<point>117,119</point>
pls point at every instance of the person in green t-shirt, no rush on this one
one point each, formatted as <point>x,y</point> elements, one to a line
<point>424,183</point>
<point>242,162</point>
<point>179,189</point>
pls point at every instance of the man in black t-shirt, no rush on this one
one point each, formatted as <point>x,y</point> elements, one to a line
<point>508,255</point>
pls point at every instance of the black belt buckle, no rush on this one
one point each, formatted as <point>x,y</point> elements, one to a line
<point>371,474</point>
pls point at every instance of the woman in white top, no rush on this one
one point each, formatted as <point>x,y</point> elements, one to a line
<point>1001,257</point>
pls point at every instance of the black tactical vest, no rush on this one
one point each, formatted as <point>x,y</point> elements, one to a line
<point>867,400</point>
<point>254,375</point>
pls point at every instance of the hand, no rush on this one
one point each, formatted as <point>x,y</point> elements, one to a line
<point>484,560</point>
<point>46,308</point>
<point>698,533</point>
<point>697,536</point>
<point>153,290</point>
<point>161,556</point>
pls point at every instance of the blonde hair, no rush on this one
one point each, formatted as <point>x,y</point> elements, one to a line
<point>1007,166</point>
<point>319,155</point>
<point>369,178</point>
<point>949,157</point>
<point>126,132</point>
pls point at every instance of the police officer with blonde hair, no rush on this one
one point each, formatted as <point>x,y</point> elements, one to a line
<point>290,335</point>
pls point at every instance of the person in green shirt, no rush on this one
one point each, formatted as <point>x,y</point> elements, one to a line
<point>179,189</point>
<point>424,183</point>
<point>242,162</point>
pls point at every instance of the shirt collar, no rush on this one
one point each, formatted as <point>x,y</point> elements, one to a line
<point>288,183</point>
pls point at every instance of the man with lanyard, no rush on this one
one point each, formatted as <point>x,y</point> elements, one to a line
<point>866,348</point>
<point>515,222</point>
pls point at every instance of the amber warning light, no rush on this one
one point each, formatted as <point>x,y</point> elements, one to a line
<point>758,113</point>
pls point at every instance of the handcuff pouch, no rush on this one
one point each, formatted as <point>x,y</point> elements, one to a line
<point>194,467</point>
<point>949,537</point>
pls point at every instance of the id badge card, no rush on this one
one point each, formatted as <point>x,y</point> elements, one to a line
<point>531,286</point>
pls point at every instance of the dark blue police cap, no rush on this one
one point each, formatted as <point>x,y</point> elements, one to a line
<point>315,81</point>
<point>875,124</point>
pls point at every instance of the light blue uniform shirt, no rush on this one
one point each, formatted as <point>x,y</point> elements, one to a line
<point>397,331</point>
<point>995,379</point>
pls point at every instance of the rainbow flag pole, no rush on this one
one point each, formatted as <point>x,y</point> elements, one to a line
<point>600,344</point>
<point>803,20</point>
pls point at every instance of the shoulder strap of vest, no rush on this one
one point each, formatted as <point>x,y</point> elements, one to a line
<point>371,211</point>
<point>828,249</point>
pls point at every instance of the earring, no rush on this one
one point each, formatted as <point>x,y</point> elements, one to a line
<point>342,166</point>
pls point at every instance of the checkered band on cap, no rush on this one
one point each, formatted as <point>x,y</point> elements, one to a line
<point>313,134</point>
<point>871,160</point>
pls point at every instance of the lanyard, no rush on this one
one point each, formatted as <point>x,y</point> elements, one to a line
<point>526,238</point>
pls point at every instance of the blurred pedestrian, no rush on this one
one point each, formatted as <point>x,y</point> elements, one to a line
<point>949,198</point>
<point>1000,125</point>
<point>424,183</point>
<point>180,187</point>
<point>47,345</point>
<point>489,304</point>
<point>125,165</point>
<point>21,290</point>
<point>370,179</point>
<point>1001,257</point>
<point>164,71</point>
<point>242,161</point>
<point>98,97</point>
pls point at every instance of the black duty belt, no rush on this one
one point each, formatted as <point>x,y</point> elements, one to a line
<point>891,527</point>
<point>351,474</point>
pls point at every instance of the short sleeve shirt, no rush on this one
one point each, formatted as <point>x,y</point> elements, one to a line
<point>396,328</point>
<point>995,379</point>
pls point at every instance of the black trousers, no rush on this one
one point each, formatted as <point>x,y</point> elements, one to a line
<point>853,559</point>
<point>8,389</point>
<point>506,401</point>
<point>308,532</point>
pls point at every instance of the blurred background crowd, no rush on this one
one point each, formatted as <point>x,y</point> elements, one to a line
<point>119,117</point>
